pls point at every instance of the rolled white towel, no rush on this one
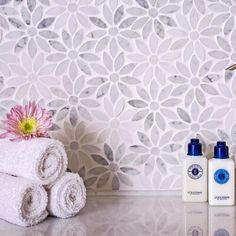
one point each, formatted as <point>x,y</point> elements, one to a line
<point>67,196</point>
<point>43,160</point>
<point>22,202</point>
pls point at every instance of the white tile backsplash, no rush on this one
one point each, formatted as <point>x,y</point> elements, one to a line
<point>128,82</point>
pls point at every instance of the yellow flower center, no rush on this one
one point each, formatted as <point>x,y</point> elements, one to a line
<point>28,125</point>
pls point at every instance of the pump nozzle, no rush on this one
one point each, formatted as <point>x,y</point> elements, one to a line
<point>221,151</point>
<point>194,147</point>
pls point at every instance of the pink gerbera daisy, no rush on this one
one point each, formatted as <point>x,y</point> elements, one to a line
<point>27,122</point>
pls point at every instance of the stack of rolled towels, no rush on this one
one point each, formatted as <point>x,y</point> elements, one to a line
<point>34,182</point>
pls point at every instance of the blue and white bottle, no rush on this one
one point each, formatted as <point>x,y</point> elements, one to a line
<point>221,183</point>
<point>194,174</point>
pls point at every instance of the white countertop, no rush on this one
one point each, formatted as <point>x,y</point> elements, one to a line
<point>134,216</point>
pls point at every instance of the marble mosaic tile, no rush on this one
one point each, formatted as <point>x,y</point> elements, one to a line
<point>128,82</point>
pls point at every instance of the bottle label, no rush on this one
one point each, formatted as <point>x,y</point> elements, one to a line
<point>195,171</point>
<point>221,176</point>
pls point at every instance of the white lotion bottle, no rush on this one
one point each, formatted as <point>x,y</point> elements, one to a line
<point>194,174</point>
<point>221,177</point>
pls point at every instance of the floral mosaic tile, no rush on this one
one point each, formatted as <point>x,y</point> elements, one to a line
<point>128,82</point>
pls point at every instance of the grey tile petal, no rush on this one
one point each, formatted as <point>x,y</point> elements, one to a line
<point>124,179</point>
<point>201,6</point>
<point>229,26</point>
<point>169,9</point>
<point>125,90</point>
<point>25,15</point>
<point>129,170</point>
<point>172,147</point>
<point>89,57</point>
<point>82,172</point>
<point>138,149</point>
<point>84,113</point>
<point>103,179</point>
<point>108,152</point>
<point>120,152</point>
<point>21,44</point>
<point>171,102</point>
<point>97,81</point>
<point>89,181</point>
<point>16,23</point>
<point>62,113</point>
<point>127,159</point>
<point>148,122</point>
<point>32,48</point>
<point>223,44</point>
<point>161,166</point>
<point>143,138</point>
<point>31,4</point>
<point>124,43</point>
<point>141,159</point>
<point>119,14</point>
<point>48,34</point>
<point>46,22</point>
<point>200,97</point>
<point>98,22</point>
<point>177,79</point>
<point>103,90</point>
<point>209,89</point>
<point>73,116</point>
<point>178,91</point>
<point>4,2</point>
<point>84,67</point>
<point>140,115</point>
<point>137,103</point>
<point>115,183</point>
<point>168,21</point>
<point>160,121</point>
<point>97,170</point>
<point>99,159</point>
<point>127,22</point>
<point>183,115</point>
<point>57,45</point>
<point>3,23</point>
<point>159,29</point>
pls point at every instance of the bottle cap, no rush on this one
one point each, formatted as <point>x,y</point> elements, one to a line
<point>194,147</point>
<point>221,151</point>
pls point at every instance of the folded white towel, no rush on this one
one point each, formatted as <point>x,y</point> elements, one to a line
<point>43,160</point>
<point>22,202</point>
<point>67,196</point>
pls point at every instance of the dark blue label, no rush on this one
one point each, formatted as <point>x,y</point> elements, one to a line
<point>195,171</point>
<point>221,176</point>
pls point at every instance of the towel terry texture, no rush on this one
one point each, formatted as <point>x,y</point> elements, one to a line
<point>67,196</point>
<point>42,160</point>
<point>22,202</point>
